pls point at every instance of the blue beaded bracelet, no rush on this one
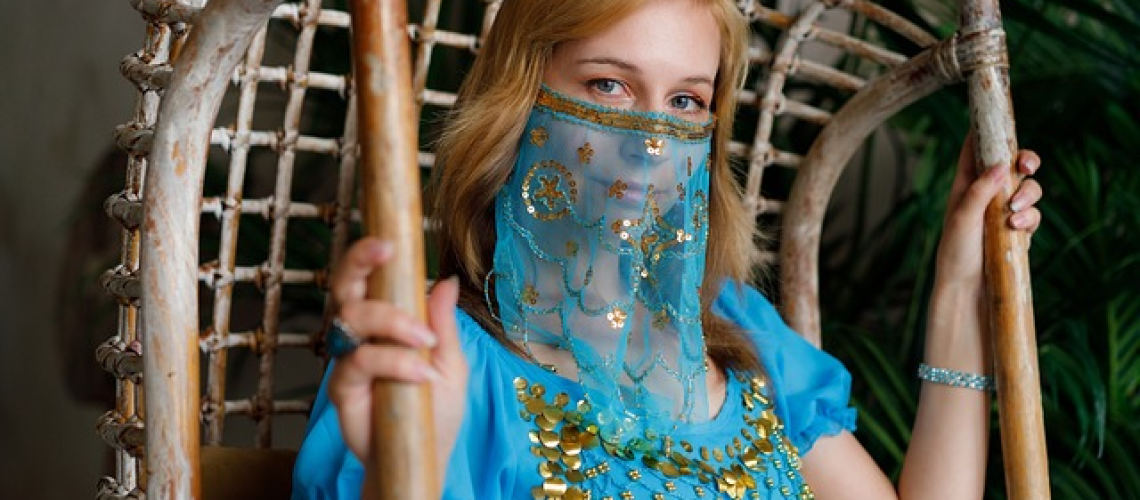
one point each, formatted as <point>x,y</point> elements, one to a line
<point>955,378</point>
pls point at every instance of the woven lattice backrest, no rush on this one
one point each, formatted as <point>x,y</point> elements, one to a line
<point>278,190</point>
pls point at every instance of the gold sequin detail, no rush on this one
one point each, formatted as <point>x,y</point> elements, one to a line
<point>529,295</point>
<point>617,189</point>
<point>572,248</point>
<point>552,196</point>
<point>549,189</point>
<point>622,225</point>
<point>585,154</point>
<point>538,136</point>
<point>655,146</point>
<point>673,127</point>
<point>557,443</point>
<point>563,432</point>
<point>617,318</point>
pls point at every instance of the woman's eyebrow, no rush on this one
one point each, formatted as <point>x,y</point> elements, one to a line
<point>696,79</point>
<point>611,61</point>
<point>633,68</point>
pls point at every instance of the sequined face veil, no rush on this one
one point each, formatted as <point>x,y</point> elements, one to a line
<point>601,237</point>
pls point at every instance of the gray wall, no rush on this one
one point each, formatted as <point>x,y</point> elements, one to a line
<point>60,98</point>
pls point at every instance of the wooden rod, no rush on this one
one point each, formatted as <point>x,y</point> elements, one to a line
<point>168,251</point>
<point>402,463</point>
<point>1006,264</point>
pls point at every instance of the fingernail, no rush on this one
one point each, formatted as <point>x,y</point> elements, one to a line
<point>426,337</point>
<point>1017,220</point>
<point>1032,164</point>
<point>430,373</point>
<point>1016,205</point>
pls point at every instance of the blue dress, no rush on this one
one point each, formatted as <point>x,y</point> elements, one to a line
<point>525,433</point>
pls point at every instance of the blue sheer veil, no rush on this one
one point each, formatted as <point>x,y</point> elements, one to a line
<point>601,237</point>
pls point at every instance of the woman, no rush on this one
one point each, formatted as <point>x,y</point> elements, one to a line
<point>604,344</point>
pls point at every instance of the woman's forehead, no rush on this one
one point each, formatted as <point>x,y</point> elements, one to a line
<point>680,38</point>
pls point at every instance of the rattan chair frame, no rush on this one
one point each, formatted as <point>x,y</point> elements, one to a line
<point>182,75</point>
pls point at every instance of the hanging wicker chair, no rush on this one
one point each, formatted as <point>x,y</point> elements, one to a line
<point>232,220</point>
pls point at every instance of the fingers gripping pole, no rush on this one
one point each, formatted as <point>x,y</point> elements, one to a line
<point>402,463</point>
<point>1006,266</point>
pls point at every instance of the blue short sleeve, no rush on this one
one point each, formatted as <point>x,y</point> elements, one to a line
<point>482,463</point>
<point>812,388</point>
<point>325,468</point>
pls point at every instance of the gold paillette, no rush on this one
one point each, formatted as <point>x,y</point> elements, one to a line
<point>585,154</point>
<point>753,467</point>
<point>655,146</point>
<point>539,136</point>
<point>617,318</point>
<point>557,190</point>
<point>529,295</point>
<point>617,189</point>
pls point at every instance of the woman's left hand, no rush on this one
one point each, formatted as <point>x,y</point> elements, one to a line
<point>960,250</point>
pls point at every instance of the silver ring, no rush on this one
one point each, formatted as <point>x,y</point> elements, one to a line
<point>340,339</point>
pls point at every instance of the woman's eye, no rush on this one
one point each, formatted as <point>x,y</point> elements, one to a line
<point>687,103</point>
<point>605,85</point>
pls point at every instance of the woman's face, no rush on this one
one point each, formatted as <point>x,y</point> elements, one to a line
<point>661,58</point>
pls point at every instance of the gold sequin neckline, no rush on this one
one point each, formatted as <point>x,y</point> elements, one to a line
<point>759,460</point>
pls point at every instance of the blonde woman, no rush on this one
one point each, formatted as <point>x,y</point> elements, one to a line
<point>596,338</point>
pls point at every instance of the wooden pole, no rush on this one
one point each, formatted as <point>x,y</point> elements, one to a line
<point>168,256</point>
<point>401,465</point>
<point>1006,264</point>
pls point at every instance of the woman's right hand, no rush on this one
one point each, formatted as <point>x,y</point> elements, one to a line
<point>392,340</point>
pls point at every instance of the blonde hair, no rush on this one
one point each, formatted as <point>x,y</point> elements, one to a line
<point>476,152</point>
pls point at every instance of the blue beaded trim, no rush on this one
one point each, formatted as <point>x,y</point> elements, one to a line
<point>955,378</point>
